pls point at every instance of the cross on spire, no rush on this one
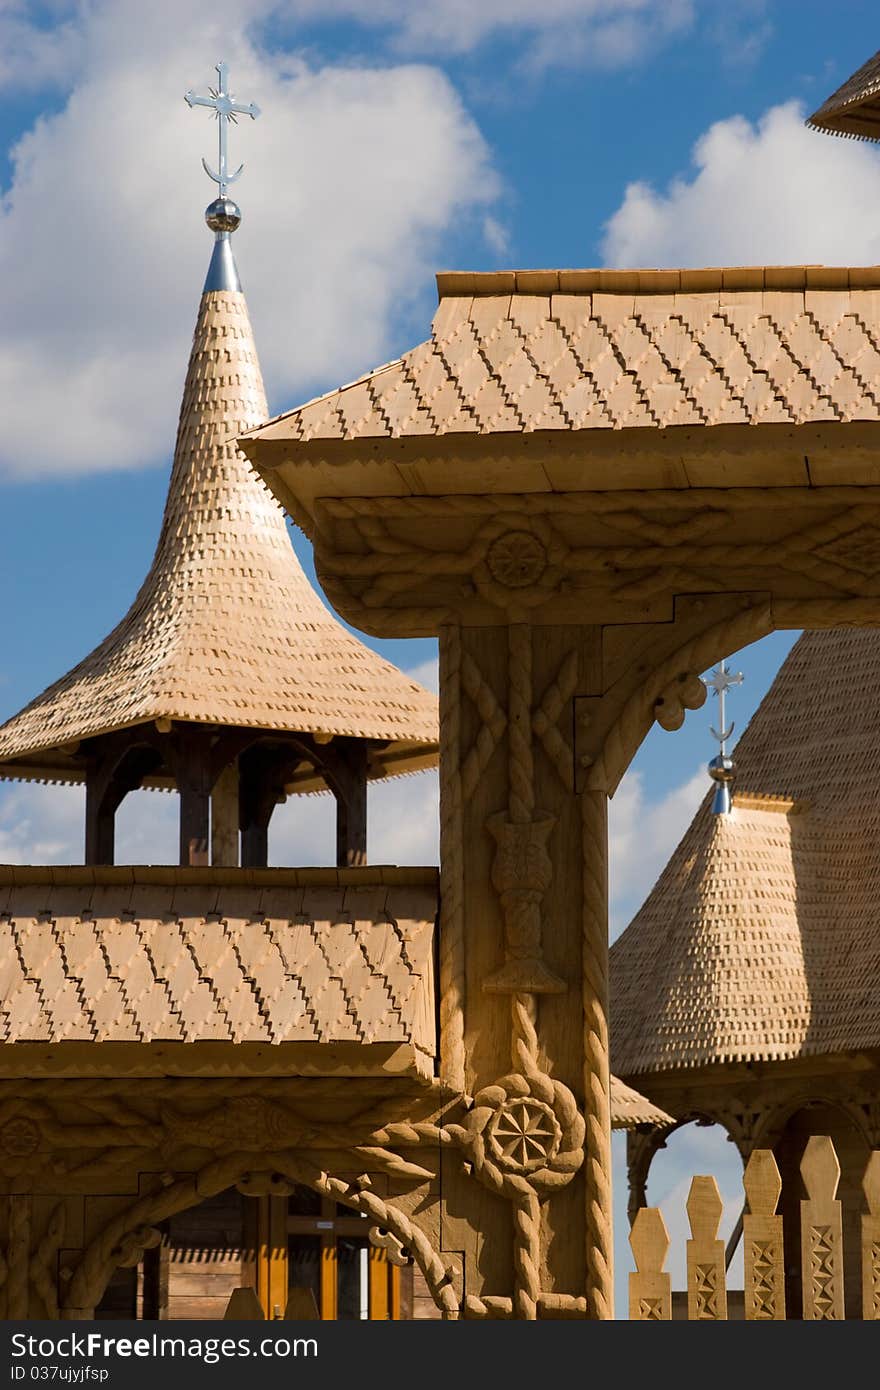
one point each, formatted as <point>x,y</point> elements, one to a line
<point>225,109</point>
<point>720,681</point>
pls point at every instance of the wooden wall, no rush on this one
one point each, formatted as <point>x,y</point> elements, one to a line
<point>206,1257</point>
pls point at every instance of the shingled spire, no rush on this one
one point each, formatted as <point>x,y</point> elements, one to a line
<point>759,941</point>
<point>228,674</point>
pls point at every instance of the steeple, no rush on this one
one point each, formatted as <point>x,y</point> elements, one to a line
<point>228,677</point>
<point>759,939</point>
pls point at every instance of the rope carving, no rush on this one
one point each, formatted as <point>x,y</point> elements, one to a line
<point>597,1108</point>
<point>452,963</point>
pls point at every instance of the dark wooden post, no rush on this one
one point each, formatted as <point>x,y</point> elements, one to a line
<point>116,765</point>
<point>100,821</point>
<point>351,808</point>
<point>193,776</point>
<point>258,797</point>
<point>344,764</point>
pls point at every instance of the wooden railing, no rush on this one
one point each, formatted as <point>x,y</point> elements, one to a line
<point>650,1289</point>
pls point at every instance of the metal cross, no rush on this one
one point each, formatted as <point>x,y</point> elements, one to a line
<point>225,109</point>
<point>720,681</point>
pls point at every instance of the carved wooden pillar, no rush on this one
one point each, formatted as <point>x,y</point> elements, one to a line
<point>523,959</point>
<point>597,1107</point>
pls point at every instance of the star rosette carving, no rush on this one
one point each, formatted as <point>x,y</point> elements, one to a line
<point>522,562</point>
<point>19,1138</point>
<point>525,1134</point>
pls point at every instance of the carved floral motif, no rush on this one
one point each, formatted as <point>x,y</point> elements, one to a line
<point>516,559</point>
<point>525,1133</point>
<point>19,1137</point>
<point>521,562</point>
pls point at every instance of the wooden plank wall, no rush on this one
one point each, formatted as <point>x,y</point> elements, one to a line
<point>207,1257</point>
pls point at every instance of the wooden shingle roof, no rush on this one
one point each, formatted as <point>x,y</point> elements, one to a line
<point>854,109</point>
<point>322,970</point>
<point>761,938</point>
<point>524,351</point>
<point>226,628</point>
<point>270,957</point>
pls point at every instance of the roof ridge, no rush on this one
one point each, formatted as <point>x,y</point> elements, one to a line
<point>453,284</point>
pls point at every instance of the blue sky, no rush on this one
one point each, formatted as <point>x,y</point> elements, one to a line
<point>397,138</point>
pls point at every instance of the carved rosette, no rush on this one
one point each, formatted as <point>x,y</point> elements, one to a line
<point>525,1135</point>
<point>522,562</point>
<point>521,873</point>
<point>19,1138</point>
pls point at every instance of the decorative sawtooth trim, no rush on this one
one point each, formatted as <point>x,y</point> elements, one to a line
<point>130,966</point>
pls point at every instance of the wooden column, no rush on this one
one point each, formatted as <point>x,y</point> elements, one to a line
<point>116,765</point>
<point>257,799</point>
<point>156,1266</point>
<point>347,774</point>
<point>193,776</point>
<point>100,824</point>
<point>224,817</point>
<point>272,1273</point>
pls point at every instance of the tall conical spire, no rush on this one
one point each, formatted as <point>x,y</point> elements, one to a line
<point>226,628</point>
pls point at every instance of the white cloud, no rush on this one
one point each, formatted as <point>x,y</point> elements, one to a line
<point>596,33</point>
<point>774,192</point>
<point>41,825</point>
<point>352,174</point>
<point>599,32</point>
<point>641,836</point>
<point>34,55</point>
<point>427,673</point>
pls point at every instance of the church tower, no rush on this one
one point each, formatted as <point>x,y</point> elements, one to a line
<point>228,678</point>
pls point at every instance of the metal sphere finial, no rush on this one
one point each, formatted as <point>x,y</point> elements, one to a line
<point>223,215</point>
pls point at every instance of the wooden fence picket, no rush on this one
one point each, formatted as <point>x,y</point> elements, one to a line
<point>764,1263</point>
<point>706,1281</point>
<point>243,1306</point>
<point>650,1290</point>
<point>871,1241</point>
<point>821,1233</point>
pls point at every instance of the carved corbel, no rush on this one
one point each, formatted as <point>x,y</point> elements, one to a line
<point>686,692</point>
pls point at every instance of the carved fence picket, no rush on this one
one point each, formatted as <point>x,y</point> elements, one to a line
<point>244,1306</point>
<point>764,1263</point>
<point>706,1281</point>
<point>871,1241</point>
<point>821,1233</point>
<point>650,1290</point>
